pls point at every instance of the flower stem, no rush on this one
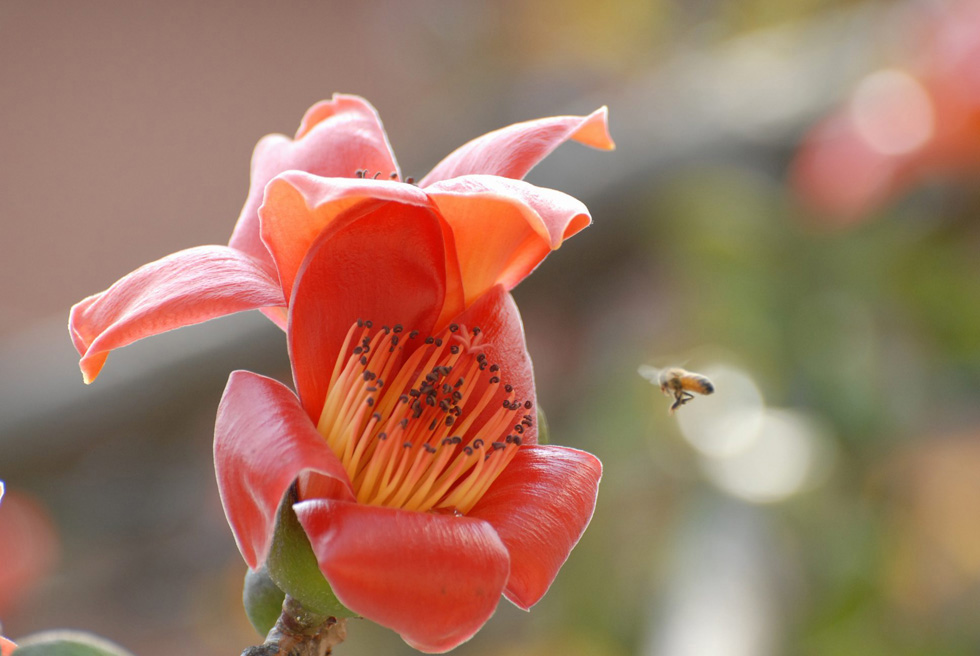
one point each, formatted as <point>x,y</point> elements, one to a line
<point>301,632</point>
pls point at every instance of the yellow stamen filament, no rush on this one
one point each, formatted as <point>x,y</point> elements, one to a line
<point>410,420</point>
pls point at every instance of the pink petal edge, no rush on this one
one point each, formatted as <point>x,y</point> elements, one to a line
<point>181,289</point>
<point>263,440</point>
<point>514,150</point>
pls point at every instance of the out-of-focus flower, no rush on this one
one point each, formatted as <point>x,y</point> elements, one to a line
<point>28,546</point>
<point>421,486</point>
<point>339,138</point>
<point>902,125</point>
<point>7,647</point>
<point>933,564</point>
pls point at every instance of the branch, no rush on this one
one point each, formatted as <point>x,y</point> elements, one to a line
<point>301,632</point>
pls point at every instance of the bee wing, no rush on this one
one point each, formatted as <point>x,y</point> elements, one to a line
<point>650,373</point>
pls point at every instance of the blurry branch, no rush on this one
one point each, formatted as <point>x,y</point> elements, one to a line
<point>45,408</point>
<point>753,94</point>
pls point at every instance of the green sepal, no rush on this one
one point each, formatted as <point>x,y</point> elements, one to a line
<point>67,643</point>
<point>543,437</point>
<point>292,565</point>
<point>263,600</point>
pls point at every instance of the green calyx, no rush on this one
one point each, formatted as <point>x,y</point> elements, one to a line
<point>292,566</point>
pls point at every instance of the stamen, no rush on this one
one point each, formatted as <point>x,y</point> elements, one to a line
<point>420,424</point>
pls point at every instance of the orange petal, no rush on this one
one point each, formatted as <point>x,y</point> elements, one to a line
<point>181,289</point>
<point>435,579</point>
<point>381,261</point>
<point>298,206</point>
<point>504,228</point>
<point>513,151</point>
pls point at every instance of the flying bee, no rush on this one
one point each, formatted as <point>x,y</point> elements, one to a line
<point>678,383</point>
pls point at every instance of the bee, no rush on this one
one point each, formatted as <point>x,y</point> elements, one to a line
<point>678,383</point>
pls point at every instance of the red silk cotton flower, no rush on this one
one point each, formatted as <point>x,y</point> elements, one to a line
<point>344,138</point>
<point>422,488</point>
<point>410,443</point>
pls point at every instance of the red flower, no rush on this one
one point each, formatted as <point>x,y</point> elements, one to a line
<point>902,125</point>
<point>342,137</point>
<point>422,489</point>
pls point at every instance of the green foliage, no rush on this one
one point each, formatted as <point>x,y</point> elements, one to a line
<point>67,643</point>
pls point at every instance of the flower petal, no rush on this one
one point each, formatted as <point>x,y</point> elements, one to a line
<point>435,579</point>
<point>504,228</point>
<point>7,647</point>
<point>181,289</point>
<point>514,150</point>
<point>335,139</point>
<point>499,320</point>
<point>298,206</point>
<point>384,262</point>
<point>262,442</point>
<point>540,505</point>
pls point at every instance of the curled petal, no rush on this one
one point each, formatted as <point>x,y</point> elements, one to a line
<point>262,442</point>
<point>514,150</point>
<point>499,320</point>
<point>504,228</point>
<point>435,579</point>
<point>540,505</point>
<point>298,206</point>
<point>181,289</point>
<point>336,138</point>
<point>381,261</point>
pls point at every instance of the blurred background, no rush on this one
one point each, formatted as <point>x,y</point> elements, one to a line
<point>793,210</point>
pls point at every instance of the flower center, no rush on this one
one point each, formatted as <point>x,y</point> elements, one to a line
<point>420,423</point>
